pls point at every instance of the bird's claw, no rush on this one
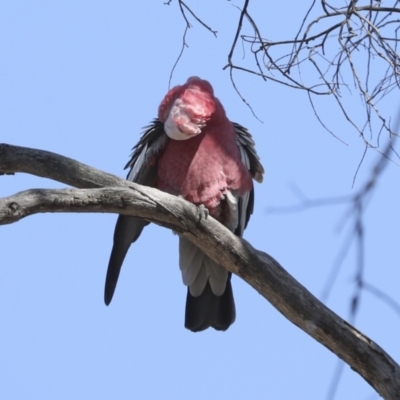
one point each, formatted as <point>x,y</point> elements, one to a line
<point>202,212</point>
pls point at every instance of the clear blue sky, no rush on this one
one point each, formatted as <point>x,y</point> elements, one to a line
<point>82,79</point>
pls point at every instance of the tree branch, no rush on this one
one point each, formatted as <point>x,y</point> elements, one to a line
<point>257,268</point>
<point>343,43</point>
<point>54,166</point>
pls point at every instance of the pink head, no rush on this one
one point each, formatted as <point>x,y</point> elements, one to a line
<point>186,109</point>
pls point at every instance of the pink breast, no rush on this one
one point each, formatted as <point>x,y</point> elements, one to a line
<point>203,168</point>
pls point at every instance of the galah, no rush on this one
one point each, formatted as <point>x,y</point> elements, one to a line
<point>194,151</point>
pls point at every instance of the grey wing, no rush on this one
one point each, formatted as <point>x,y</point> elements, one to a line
<point>251,160</point>
<point>143,170</point>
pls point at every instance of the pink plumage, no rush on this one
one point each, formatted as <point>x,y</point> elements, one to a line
<point>208,165</point>
<point>194,151</point>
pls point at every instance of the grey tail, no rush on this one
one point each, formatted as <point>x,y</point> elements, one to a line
<point>209,310</point>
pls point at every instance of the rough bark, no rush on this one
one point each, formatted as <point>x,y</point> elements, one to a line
<point>257,268</point>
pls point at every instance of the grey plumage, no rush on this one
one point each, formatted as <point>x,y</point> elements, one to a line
<point>197,268</point>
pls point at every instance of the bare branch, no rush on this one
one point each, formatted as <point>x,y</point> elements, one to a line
<point>257,268</point>
<point>54,166</point>
<point>182,7</point>
<point>357,204</point>
<point>380,294</point>
<point>367,38</point>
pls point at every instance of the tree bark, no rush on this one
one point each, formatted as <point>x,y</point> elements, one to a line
<point>102,192</point>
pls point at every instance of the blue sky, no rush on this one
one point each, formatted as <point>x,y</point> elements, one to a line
<point>81,79</point>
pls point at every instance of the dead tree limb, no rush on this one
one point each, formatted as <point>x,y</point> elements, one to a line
<point>257,268</point>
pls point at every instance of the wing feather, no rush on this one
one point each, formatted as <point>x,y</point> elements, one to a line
<point>245,142</point>
<point>251,160</point>
<point>143,170</point>
<point>150,144</point>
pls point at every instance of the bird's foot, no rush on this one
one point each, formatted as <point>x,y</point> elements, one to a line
<point>202,212</point>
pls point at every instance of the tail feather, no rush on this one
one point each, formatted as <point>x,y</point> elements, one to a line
<point>190,262</point>
<point>197,268</point>
<point>209,310</point>
<point>127,230</point>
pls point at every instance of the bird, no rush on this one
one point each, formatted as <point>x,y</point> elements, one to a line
<point>192,150</point>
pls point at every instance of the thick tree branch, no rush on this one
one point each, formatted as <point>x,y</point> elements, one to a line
<point>54,166</point>
<point>257,268</point>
